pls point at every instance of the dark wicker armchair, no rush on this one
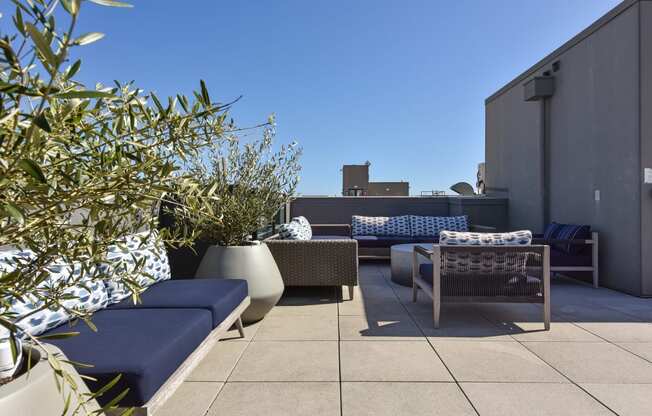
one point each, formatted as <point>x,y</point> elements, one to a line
<point>329,259</point>
<point>487,274</point>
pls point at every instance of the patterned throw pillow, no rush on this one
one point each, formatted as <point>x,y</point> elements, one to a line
<point>431,226</point>
<point>485,263</point>
<point>298,229</point>
<point>381,226</point>
<point>144,252</point>
<point>88,295</point>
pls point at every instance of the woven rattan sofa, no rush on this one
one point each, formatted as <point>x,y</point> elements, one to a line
<point>444,281</point>
<point>330,258</point>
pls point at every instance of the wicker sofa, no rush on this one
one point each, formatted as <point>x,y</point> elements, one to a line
<point>330,258</point>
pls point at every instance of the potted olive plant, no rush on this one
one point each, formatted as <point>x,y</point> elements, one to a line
<point>249,183</point>
<point>80,169</point>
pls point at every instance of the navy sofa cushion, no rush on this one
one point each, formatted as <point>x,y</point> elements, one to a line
<point>555,231</point>
<point>146,346</point>
<point>372,241</point>
<point>562,259</point>
<point>219,296</point>
<point>330,237</point>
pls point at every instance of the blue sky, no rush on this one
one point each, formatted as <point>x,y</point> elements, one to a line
<point>401,84</point>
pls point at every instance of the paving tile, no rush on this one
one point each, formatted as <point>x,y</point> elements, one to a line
<point>578,311</point>
<point>642,349</point>
<point>288,328</point>
<point>308,306</point>
<point>288,361</point>
<point>542,399</point>
<point>593,362</point>
<point>277,399</point>
<point>373,307</point>
<point>559,331</point>
<point>219,362</point>
<point>624,399</point>
<point>413,399</point>
<point>460,327</point>
<point>620,331</point>
<point>391,361</point>
<point>396,328</point>
<point>250,330</point>
<point>190,399</point>
<point>494,362</point>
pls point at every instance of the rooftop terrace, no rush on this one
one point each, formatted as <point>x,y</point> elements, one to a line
<point>316,354</point>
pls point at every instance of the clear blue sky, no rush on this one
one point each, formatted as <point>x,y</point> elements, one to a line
<point>401,84</point>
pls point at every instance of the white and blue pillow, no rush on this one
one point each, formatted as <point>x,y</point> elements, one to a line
<point>142,258</point>
<point>422,226</point>
<point>398,226</point>
<point>514,264</point>
<point>297,229</point>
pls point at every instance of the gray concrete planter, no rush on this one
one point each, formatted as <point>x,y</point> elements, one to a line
<point>35,393</point>
<point>254,264</point>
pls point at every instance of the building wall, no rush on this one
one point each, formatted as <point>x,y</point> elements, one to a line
<point>338,210</point>
<point>594,144</point>
<point>646,144</point>
<point>355,177</point>
<point>388,189</point>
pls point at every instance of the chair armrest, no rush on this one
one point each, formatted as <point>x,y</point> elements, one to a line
<point>482,228</point>
<point>423,251</point>
<point>331,229</point>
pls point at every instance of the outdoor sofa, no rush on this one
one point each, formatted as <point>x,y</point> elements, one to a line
<point>328,257</point>
<point>573,250</point>
<point>154,344</point>
<point>483,267</point>
<point>376,235</point>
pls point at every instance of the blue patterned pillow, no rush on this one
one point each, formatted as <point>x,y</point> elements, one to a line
<point>431,226</point>
<point>298,229</point>
<point>485,263</point>
<point>144,252</point>
<point>515,238</point>
<point>87,295</point>
<point>381,226</point>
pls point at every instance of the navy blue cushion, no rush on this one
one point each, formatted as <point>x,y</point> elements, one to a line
<point>146,346</point>
<point>562,259</point>
<point>330,237</point>
<point>556,231</point>
<point>381,242</point>
<point>219,296</point>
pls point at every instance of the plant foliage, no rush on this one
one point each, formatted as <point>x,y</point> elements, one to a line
<point>82,167</point>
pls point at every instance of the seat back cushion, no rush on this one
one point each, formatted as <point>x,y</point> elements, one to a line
<point>556,231</point>
<point>87,294</point>
<point>140,257</point>
<point>297,229</point>
<point>431,226</point>
<point>381,226</point>
<point>489,262</point>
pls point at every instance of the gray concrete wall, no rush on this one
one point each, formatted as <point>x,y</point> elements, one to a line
<point>594,144</point>
<point>355,177</point>
<point>389,189</point>
<point>646,145</point>
<point>338,210</point>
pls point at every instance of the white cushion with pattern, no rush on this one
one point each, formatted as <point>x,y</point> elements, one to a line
<point>421,226</point>
<point>381,226</point>
<point>298,229</point>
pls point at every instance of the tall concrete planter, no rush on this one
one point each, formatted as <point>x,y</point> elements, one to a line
<point>254,264</point>
<point>35,392</point>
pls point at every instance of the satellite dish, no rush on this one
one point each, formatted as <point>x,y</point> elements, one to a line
<point>463,188</point>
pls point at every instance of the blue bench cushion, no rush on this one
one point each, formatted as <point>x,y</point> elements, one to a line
<point>219,296</point>
<point>556,231</point>
<point>330,237</point>
<point>381,241</point>
<point>146,346</point>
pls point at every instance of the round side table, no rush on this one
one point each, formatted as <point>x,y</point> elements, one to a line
<point>401,258</point>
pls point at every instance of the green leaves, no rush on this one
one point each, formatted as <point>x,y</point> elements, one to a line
<point>11,210</point>
<point>111,3</point>
<point>32,169</point>
<point>71,6</point>
<point>83,94</point>
<point>41,44</point>
<point>87,38</point>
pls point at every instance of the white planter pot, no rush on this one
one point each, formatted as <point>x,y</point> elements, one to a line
<point>254,264</point>
<point>9,364</point>
<point>35,393</point>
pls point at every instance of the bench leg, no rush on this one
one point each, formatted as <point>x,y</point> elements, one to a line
<point>238,324</point>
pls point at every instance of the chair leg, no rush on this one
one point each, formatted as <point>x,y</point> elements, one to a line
<point>238,324</point>
<point>351,290</point>
<point>436,311</point>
